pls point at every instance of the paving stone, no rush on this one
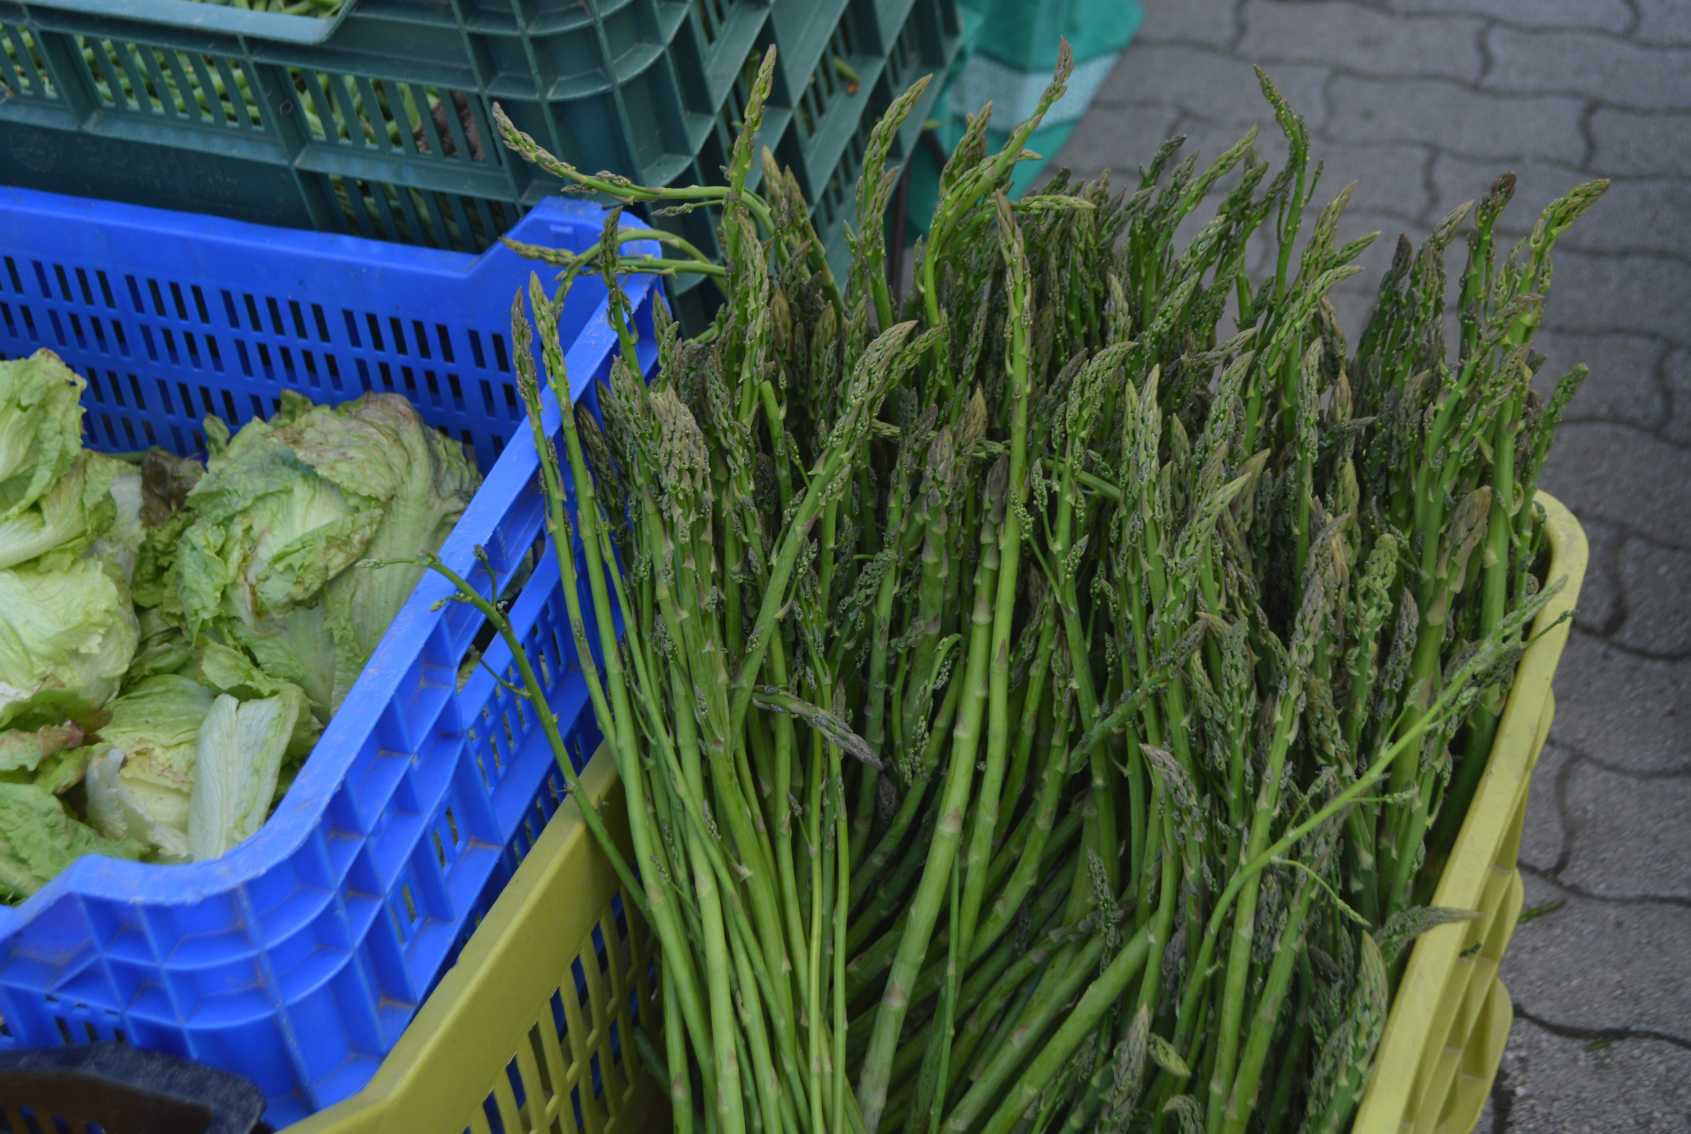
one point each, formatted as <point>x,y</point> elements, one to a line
<point>1601,964</point>
<point>1586,63</point>
<point>1259,258</point>
<point>1622,386</point>
<point>1212,22</point>
<point>1457,117</point>
<point>1559,1084</point>
<point>1613,472</point>
<point>1390,179</point>
<point>1658,615</point>
<point>1611,818</point>
<point>1626,292</point>
<point>1212,85</point>
<point>1676,385</point>
<point>1638,141</point>
<point>1663,21</point>
<point>1628,711</point>
<point>1601,603</point>
<point>1635,215</point>
<point>1612,15</point>
<point>1118,138</point>
<point>1210,137</point>
<point>1363,39</point>
<point>1456,180</point>
<point>1544,837</point>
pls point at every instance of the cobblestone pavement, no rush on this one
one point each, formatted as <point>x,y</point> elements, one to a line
<point>1422,102</point>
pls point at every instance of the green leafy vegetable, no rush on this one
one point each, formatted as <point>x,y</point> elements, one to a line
<point>142,773</point>
<point>172,638</point>
<point>238,758</point>
<point>67,518</point>
<point>273,557</point>
<point>39,838</point>
<point>40,428</point>
<point>67,634</point>
<point>23,749</point>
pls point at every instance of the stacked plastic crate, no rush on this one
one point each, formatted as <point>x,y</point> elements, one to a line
<point>377,122</point>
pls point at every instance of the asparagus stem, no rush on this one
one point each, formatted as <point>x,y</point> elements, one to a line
<point>924,908</point>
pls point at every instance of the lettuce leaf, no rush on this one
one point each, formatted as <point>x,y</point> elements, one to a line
<point>66,518</point>
<point>141,774</point>
<point>39,838</point>
<point>238,759</point>
<point>287,552</point>
<point>23,750</point>
<point>67,634</point>
<point>40,428</point>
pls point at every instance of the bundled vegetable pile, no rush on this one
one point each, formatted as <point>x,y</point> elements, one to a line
<point>172,636</point>
<point>1043,703</point>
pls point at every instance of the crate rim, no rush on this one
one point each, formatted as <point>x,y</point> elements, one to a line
<point>277,27</point>
<point>193,16</point>
<point>294,818</point>
<point>1387,1100</point>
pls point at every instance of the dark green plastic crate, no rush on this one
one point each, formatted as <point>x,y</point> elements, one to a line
<point>888,44</point>
<point>377,123</point>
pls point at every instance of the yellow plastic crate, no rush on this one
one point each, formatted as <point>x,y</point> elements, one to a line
<point>518,1035</point>
<point>488,1041</point>
<point>1450,1019</point>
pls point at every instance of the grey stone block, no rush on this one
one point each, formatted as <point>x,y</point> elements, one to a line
<point>1626,292</point>
<point>1611,15</point>
<point>1364,39</point>
<point>1119,138</point>
<point>1456,179</point>
<point>1212,22</point>
<point>1599,965</point>
<point>1663,21</point>
<point>1390,179</point>
<point>1212,85</point>
<point>1600,66</point>
<point>1544,837</point>
<point>1623,384</point>
<point>1600,603</point>
<point>1627,835</point>
<point>1676,383</point>
<point>1612,472</point>
<point>1640,142</point>
<point>1209,138</point>
<point>1634,215</point>
<point>1658,617</point>
<point>1457,118</point>
<point>1630,712</point>
<point>1559,1084</point>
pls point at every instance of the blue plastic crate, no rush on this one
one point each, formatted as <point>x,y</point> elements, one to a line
<point>298,958</point>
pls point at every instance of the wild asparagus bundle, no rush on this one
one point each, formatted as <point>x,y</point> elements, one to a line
<point>1035,696</point>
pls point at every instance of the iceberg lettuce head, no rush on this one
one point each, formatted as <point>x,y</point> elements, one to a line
<point>40,428</point>
<point>141,775</point>
<point>39,838</point>
<point>301,535</point>
<point>67,634</point>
